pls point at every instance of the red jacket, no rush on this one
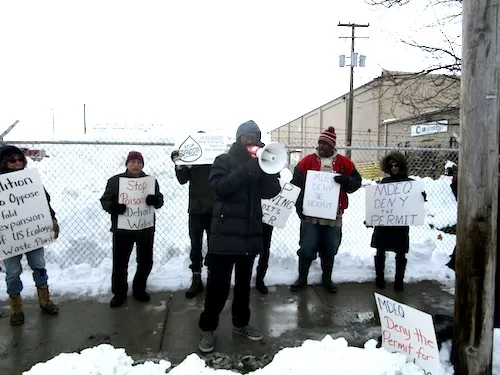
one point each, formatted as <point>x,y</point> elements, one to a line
<point>341,164</point>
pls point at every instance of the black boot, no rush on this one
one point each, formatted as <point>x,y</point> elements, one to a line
<point>303,273</point>
<point>196,286</point>
<point>259,280</point>
<point>400,272</point>
<point>326,277</point>
<point>379,270</point>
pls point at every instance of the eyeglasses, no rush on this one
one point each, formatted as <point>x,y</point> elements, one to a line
<point>394,165</point>
<point>13,160</point>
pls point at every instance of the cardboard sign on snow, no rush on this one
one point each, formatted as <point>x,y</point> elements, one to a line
<point>26,223</point>
<point>321,195</point>
<point>395,204</point>
<point>132,192</point>
<point>408,331</point>
<point>275,211</point>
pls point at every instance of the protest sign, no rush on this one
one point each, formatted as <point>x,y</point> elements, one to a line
<point>395,204</point>
<point>321,195</point>
<point>409,331</point>
<point>201,148</point>
<point>132,192</point>
<point>275,211</point>
<point>26,223</point>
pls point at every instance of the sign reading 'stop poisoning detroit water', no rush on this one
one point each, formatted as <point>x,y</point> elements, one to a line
<point>321,195</point>
<point>275,211</point>
<point>395,204</point>
<point>201,148</point>
<point>132,192</point>
<point>26,223</point>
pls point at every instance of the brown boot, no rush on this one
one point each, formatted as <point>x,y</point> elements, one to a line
<point>45,303</point>
<point>16,310</point>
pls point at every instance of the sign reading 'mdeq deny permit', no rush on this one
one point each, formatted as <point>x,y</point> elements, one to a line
<point>409,331</point>
<point>26,223</point>
<point>395,204</point>
<point>321,195</point>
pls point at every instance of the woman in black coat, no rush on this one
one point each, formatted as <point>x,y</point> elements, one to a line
<point>387,238</point>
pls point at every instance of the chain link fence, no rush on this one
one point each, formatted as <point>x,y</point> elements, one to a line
<point>75,175</point>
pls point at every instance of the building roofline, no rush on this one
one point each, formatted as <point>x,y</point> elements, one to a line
<point>382,76</point>
<point>412,117</point>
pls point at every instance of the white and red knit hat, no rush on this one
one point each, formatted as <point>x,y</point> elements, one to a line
<point>329,136</point>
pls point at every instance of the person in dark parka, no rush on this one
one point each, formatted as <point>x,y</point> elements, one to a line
<point>392,238</point>
<point>124,240</point>
<point>235,234</point>
<point>201,200</point>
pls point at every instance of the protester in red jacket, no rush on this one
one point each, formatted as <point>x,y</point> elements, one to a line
<point>317,233</point>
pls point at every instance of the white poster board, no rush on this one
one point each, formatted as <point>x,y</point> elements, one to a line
<point>26,223</point>
<point>408,331</point>
<point>321,195</point>
<point>201,148</point>
<point>132,192</point>
<point>395,204</point>
<point>275,211</point>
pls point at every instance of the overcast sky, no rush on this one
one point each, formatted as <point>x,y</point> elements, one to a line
<point>197,64</point>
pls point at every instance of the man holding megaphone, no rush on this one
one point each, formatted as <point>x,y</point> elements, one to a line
<point>240,184</point>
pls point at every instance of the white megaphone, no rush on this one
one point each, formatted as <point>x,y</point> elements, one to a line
<point>272,157</point>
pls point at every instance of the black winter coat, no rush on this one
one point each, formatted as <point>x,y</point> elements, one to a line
<point>239,187</point>
<point>388,238</point>
<point>110,196</point>
<point>201,195</point>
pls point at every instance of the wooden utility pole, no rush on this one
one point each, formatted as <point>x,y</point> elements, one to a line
<point>477,188</point>
<point>351,84</point>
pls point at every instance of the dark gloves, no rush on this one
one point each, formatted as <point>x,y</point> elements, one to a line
<point>117,208</point>
<point>343,180</point>
<point>424,194</point>
<point>368,226</point>
<point>55,228</point>
<point>252,168</point>
<point>152,200</point>
<point>174,155</point>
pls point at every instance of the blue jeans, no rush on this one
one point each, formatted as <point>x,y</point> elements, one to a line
<point>36,261</point>
<point>316,238</point>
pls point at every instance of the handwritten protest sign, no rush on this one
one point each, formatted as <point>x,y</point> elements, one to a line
<point>409,331</point>
<point>26,223</point>
<point>201,148</point>
<point>321,195</point>
<point>395,204</point>
<point>132,192</point>
<point>275,211</point>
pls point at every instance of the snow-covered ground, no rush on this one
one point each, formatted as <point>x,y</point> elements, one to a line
<point>79,264</point>
<point>325,357</point>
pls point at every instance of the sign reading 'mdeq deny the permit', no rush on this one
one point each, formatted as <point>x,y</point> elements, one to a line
<point>409,331</point>
<point>395,204</point>
<point>26,223</point>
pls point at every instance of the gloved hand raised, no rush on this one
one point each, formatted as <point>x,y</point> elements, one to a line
<point>117,208</point>
<point>151,200</point>
<point>55,228</point>
<point>252,168</point>
<point>343,180</point>
<point>174,155</point>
